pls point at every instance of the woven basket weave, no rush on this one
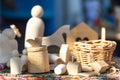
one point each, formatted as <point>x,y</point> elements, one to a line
<point>95,50</point>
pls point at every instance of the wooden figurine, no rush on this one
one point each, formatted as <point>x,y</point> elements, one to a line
<point>7,45</point>
<point>57,38</point>
<point>73,68</point>
<point>64,53</point>
<point>99,66</point>
<point>60,69</point>
<point>54,59</point>
<point>16,63</point>
<point>35,25</point>
<point>79,33</point>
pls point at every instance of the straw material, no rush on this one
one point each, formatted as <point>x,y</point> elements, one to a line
<point>95,50</point>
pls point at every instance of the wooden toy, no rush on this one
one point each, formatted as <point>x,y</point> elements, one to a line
<point>103,33</point>
<point>88,74</point>
<point>57,38</point>
<point>16,63</point>
<point>54,59</point>
<point>7,45</point>
<point>60,69</point>
<point>73,68</point>
<point>16,30</point>
<point>36,42</point>
<point>99,66</point>
<point>86,68</point>
<point>79,33</point>
<point>64,53</point>
<point>38,61</point>
<point>35,25</point>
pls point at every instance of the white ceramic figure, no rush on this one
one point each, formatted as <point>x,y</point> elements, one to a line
<point>7,45</point>
<point>35,25</point>
<point>16,63</point>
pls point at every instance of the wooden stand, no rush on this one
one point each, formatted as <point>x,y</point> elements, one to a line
<point>38,61</point>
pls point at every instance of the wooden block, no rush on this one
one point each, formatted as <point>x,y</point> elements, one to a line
<point>99,66</point>
<point>64,53</point>
<point>38,61</point>
<point>54,59</point>
<point>15,65</point>
<point>87,68</point>
<point>73,68</point>
<point>60,69</point>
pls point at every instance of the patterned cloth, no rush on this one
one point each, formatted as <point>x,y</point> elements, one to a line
<point>5,75</point>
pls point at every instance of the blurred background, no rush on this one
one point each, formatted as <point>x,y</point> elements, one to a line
<point>95,13</point>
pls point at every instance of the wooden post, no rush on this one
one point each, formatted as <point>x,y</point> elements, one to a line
<point>64,53</point>
<point>103,33</point>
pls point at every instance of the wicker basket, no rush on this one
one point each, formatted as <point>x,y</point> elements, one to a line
<point>89,51</point>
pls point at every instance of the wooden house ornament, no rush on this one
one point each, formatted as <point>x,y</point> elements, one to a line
<point>81,32</point>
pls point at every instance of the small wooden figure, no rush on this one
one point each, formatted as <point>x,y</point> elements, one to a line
<point>35,25</point>
<point>64,53</point>
<point>73,68</point>
<point>16,63</point>
<point>60,69</point>
<point>99,66</point>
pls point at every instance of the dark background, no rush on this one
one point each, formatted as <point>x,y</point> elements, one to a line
<point>58,13</point>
